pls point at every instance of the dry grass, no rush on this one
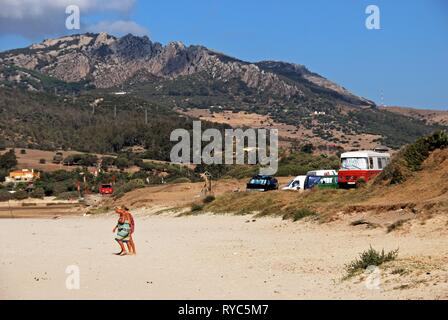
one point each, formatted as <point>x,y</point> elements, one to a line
<point>286,204</point>
<point>424,193</point>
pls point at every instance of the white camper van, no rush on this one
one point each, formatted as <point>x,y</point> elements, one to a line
<point>298,183</point>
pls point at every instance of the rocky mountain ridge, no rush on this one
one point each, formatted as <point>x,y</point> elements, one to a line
<point>106,61</point>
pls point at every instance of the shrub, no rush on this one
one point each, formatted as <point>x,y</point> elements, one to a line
<point>42,161</point>
<point>5,195</point>
<point>368,258</point>
<point>360,183</point>
<point>396,225</point>
<point>299,214</point>
<point>208,199</point>
<point>38,193</point>
<point>2,144</point>
<point>122,162</point>
<point>8,160</point>
<point>60,187</point>
<point>181,180</point>
<point>196,207</point>
<point>20,195</point>
<point>67,195</point>
<point>307,148</point>
<point>23,151</point>
<point>303,213</point>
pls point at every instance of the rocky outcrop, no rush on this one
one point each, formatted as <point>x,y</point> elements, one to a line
<point>108,61</point>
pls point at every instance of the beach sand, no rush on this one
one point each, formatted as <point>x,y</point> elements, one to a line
<point>214,257</point>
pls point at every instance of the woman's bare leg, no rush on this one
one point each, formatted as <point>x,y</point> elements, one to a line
<point>123,249</point>
<point>128,244</point>
<point>131,242</point>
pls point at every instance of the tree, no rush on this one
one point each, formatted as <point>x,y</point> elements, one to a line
<point>122,162</point>
<point>2,143</point>
<point>307,148</point>
<point>8,160</point>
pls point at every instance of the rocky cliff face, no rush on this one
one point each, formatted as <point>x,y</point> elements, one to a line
<point>107,61</point>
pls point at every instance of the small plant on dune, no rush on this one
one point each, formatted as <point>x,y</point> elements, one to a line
<point>368,258</point>
<point>208,199</point>
<point>364,222</point>
<point>195,207</point>
<point>399,271</point>
<point>360,183</point>
<point>181,180</point>
<point>396,225</point>
<point>299,214</point>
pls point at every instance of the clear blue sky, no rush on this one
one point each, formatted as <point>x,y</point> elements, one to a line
<point>407,58</point>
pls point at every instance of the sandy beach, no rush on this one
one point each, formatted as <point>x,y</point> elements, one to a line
<point>215,257</point>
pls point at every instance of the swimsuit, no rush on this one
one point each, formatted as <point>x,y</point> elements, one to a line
<point>124,231</point>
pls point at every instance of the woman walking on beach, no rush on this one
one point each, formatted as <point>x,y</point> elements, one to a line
<point>125,228</point>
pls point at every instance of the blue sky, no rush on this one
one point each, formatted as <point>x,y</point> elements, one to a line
<point>407,58</point>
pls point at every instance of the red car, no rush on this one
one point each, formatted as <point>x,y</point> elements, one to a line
<point>106,189</point>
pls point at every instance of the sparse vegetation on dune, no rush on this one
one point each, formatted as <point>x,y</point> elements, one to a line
<point>275,203</point>
<point>370,257</point>
<point>411,157</point>
<point>301,214</point>
<point>374,196</point>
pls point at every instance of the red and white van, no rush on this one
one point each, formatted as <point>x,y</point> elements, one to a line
<point>364,165</point>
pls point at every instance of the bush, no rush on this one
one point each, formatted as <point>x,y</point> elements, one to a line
<point>38,193</point>
<point>60,187</point>
<point>20,195</point>
<point>208,199</point>
<point>368,258</point>
<point>8,160</point>
<point>67,195</point>
<point>5,195</point>
<point>23,151</point>
<point>396,225</point>
<point>42,161</point>
<point>86,160</point>
<point>2,144</point>
<point>360,183</point>
<point>307,148</point>
<point>181,180</point>
<point>303,213</point>
<point>122,162</point>
<point>196,207</point>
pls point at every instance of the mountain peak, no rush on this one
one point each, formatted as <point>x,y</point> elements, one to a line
<point>107,61</point>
